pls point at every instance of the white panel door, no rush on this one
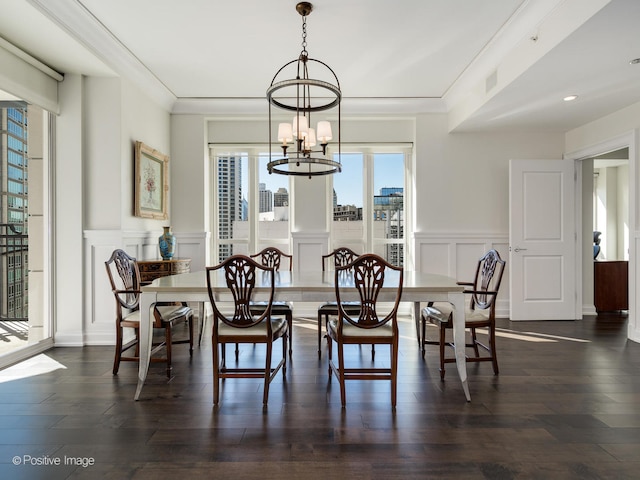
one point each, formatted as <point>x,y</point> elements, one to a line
<point>542,240</point>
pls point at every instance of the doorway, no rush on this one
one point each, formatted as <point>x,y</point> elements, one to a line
<point>605,217</point>
<point>26,151</point>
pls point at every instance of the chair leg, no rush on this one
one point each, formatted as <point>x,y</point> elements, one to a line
<point>326,327</point>
<point>267,372</point>
<point>394,372</point>
<point>373,352</point>
<point>343,394</point>
<point>319,335</point>
<point>202,317</point>
<point>237,352</point>
<point>223,355</point>
<point>442,345</point>
<point>216,372</point>
<point>492,344</point>
<point>191,335</point>
<point>290,325</point>
<point>285,337</point>
<point>118,355</point>
<point>423,335</point>
<point>137,349</point>
<point>329,352</point>
<point>167,339</point>
<point>474,342</point>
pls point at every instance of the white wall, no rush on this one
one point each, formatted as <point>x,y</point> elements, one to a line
<point>623,211</point>
<point>69,273</point>
<point>103,161</point>
<point>114,114</point>
<point>463,178</point>
<point>606,134</point>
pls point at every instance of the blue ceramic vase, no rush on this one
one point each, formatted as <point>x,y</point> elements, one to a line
<point>167,244</point>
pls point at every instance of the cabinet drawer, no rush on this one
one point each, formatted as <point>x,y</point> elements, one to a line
<point>152,269</point>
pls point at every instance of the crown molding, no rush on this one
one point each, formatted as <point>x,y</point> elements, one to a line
<point>80,24</point>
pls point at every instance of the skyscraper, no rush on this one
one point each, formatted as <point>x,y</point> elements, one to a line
<point>265,198</point>
<point>230,200</point>
<point>281,198</point>
<point>14,246</point>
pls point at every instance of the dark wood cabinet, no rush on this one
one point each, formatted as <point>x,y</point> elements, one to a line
<point>152,269</point>
<point>611,285</point>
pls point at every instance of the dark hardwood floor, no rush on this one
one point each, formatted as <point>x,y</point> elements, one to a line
<point>566,405</point>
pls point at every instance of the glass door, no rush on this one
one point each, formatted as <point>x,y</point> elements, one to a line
<point>25,319</point>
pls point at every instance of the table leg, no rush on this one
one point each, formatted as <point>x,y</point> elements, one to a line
<point>457,300</point>
<point>147,301</point>
<point>416,319</point>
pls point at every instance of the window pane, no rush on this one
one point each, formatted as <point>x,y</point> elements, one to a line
<point>273,208</point>
<point>348,199</point>
<point>388,203</point>
<point>232,170</point>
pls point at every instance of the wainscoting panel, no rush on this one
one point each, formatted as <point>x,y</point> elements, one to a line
<point>99,308</point>
<point>308,249</point>
<point>456,255</point>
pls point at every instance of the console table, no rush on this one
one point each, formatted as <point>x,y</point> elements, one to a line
<point>152,269</point>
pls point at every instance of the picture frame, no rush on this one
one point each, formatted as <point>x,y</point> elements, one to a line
<point>151,184</point>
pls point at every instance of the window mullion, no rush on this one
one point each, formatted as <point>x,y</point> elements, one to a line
<point>367,210</point>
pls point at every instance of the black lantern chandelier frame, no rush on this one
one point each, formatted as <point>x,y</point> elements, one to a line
<point>295,95</point>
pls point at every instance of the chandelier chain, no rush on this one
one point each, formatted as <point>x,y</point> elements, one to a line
<point>304,36</point>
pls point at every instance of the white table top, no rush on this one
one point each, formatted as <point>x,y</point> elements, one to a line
<point>310,286</point>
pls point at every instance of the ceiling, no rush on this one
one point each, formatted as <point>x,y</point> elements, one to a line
<point>491,64</point>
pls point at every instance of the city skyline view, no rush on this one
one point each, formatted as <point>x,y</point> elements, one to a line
<point>388,173</point>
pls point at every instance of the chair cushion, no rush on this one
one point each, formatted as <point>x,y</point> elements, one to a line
<point>170,313</point>
<point>132,316</point>
<point>278,308</point>
<point>349,307</point>
<point>277,324</point>
<point>350,330</point>
<point>440,313</point>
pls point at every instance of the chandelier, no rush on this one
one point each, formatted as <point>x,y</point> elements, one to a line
<point>293,89</point>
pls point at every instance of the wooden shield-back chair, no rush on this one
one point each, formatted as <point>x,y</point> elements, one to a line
<point>340,256</point>
<point>479,313</point>
<point>369,273</point>
<point>274,258</point>
<point>124,277</point>
<point>243,325</point>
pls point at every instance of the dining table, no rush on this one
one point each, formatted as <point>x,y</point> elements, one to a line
<point>302,286</point>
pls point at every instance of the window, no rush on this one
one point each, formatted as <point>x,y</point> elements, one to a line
<point>368,201</point>
<point>252,209</point>
<point>369,198</point>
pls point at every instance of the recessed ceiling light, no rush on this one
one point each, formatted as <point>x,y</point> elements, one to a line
<point>569,98</point>
<point>635,61</point>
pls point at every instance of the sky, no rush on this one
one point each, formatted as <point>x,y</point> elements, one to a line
<point>388,172</point>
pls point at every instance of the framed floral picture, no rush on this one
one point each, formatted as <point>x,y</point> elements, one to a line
<point>151,182</point>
